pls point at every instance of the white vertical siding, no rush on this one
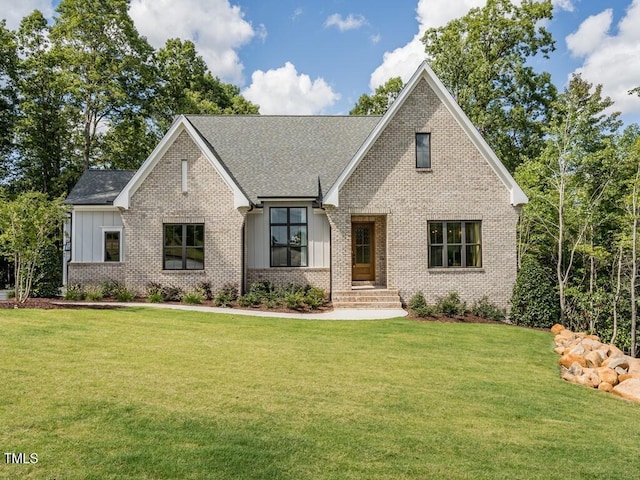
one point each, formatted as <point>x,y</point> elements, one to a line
<point>89,229</point>
<point>257,228</point>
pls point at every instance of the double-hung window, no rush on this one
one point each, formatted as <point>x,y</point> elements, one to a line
<point>183,246</point>
<point>455,244</point>
<point>288,227</point>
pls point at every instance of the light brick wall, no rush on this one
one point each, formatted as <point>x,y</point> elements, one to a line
<point>95,273</point>
<point>460,186</point>
<point>316,277</point>
<point>160,199</point>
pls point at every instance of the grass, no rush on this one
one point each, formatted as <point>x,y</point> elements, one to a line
<point>147,394</point>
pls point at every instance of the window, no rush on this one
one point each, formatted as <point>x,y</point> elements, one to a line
<point>454,244</point>
<point>183,246</point>
<point>112,246</point>
<point>288,236</point>
<point>423,150</point>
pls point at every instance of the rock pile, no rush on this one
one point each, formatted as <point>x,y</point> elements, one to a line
<point>587,361</point>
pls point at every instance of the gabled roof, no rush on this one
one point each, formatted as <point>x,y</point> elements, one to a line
<point>99,187</point>
<point>425,72</point>
<point>284,156</point>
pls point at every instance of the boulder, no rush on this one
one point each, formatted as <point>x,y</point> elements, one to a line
<point>557,328</point>
<point>589,378</point>
<point>594,337</point>
<point>577,350</point>
<point>575,369</point>
<point>626,376</point>
<point>593,359</point>
<point>607,375</point>
<point>568,334</point>
<point>629,389</point>
<point>605,387</point>
<point>560,350</point>
<point>617,361</point>
<point>590,344</point>
<point>567,360</point>
<point>634,365</point>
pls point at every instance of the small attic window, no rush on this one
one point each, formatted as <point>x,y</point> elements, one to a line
<point>185,172</point>
<point>423,150</point>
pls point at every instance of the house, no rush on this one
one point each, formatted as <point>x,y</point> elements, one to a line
<point>411,200</point>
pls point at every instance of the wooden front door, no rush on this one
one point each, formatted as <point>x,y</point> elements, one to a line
<point>362,252</point>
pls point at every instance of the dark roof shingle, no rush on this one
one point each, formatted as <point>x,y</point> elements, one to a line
<point>99,187</point>
<point>284,156</point>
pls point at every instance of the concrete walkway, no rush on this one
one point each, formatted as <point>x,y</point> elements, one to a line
<point>336,314</point>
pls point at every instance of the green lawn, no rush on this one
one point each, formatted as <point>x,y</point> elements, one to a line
<point>148,394</point>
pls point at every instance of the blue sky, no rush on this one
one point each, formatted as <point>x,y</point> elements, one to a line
<point>318,57</point>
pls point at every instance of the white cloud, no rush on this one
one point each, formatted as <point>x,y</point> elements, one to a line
<point>217,28</point>
<point>375,39</point>
<point>283,91</point>
<point>352,22</point>
<point>14,11</point>
<point>403,61</point>
<point>296,13</point>
<point>613,61</point>
<point>590,34</point>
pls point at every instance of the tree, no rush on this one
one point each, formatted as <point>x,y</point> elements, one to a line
<point>8,75</point>
<point>187,86</point>
<point>482,59</point>
<point>380,101</point>
<point>43,129</point>
<point>109,63</point>
<point>568,181</point>
<point>28,227</point>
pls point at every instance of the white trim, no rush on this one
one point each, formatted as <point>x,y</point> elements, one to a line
<point>74,237</point>
<point>120,241</point>
<point>517,196</point>
<point>180,125</point>
<point>94,208</point>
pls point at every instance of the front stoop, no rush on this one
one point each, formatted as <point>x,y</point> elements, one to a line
<point>372,298</point>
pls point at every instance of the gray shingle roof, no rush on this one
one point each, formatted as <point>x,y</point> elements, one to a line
<point>99,187</point>
<point>284,156</point>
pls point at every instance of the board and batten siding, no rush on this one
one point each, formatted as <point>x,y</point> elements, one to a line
<point>258,237</point>
<point>89,227</point>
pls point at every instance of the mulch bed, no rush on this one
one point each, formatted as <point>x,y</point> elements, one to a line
<point>55,303</point>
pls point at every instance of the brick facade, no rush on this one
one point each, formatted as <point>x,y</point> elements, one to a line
<point>96,273</point>
<point>461,185</point>
<point>316,277</point>
<point>160,200</point>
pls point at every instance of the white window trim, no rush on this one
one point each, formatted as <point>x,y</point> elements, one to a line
<point>106,230</point>
<point>185,176</point>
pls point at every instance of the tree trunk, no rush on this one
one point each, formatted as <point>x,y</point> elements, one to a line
<point>616,297</point>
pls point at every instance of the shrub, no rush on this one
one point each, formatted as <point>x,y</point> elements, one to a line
<point>314,297</point>
<point>226,295</point>
<point>172,294</point>
<point>74,292</point>
<point>153,288</point>
<point>485,309</point>
<point>294,300</point>
<point>451,305</point>
<point>48,275</point>
<point>94,292</point>
<point>194,297</point>
<point>155,297</point>
<point>418,304</point>
<point>249,299</point>
<point>123,294</point>
<point>204,288</point>
<point>534,302</point>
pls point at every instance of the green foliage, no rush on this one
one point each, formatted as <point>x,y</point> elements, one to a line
<point>172,294</point>
<point>155,297</point>
<point>294,300</point>
<point>153,288</point>
<point>381,100</point>
<point>29,226</point>
<point>204,289</point>
<point>93,292</point>
<point>484,60</point>
<point>123,294</point>
<point>194,297</point>
<point>485,309</point>
<point>451,305</point>
<point>74,292</point>
<point>418,305</point>
<point>48,274</point>
<point>314,297</point>
<point>110,288</point>
<point>249,299</point>
<point>534,302</point>
<point>226,295</point>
